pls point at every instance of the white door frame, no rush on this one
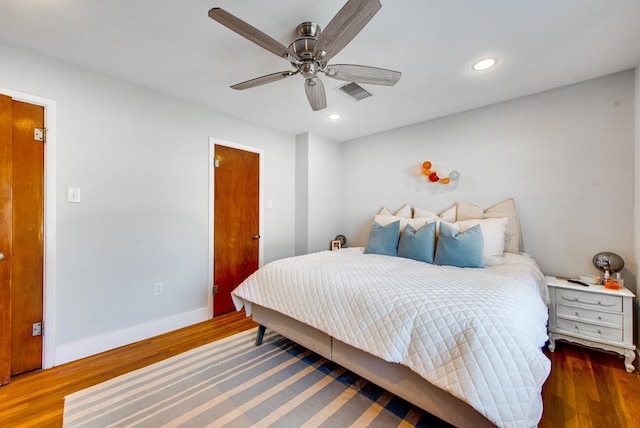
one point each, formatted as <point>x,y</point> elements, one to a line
<point>49,274</point>
<point>212,149</point>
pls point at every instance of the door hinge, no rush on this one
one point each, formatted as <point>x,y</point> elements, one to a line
<point>215,290</point>
<point>40,134</point>
<point>36,329</point>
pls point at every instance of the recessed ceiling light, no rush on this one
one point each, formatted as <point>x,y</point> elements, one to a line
<point>333,116</point>
<point>484,64</point>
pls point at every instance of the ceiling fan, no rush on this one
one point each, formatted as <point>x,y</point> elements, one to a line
<point>310,53</point>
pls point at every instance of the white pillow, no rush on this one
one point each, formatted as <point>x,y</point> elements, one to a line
<point>507,208</point>
<point>493,232</point>
<point>421,213</point>
<point>416,223</point>
<point>448,215</point>
<point>404,212</point>
<point>384,211</point>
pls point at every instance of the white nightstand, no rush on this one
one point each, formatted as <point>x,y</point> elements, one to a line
<point>592,316</point>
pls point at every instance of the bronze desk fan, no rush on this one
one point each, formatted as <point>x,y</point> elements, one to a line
<point>310,53</point>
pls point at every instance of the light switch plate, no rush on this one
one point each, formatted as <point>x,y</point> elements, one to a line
<point>73,194</point>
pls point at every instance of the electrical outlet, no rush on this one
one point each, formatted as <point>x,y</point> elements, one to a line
<point>159,288</point>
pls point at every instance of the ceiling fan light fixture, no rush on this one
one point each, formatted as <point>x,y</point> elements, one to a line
<point>484,64</point>
<point>308,70</point>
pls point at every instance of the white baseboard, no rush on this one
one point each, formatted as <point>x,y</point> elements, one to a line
<point>105,342</point>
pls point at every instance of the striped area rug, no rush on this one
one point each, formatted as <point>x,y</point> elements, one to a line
<point>233,383</point>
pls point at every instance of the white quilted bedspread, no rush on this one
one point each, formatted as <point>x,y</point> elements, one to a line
<point>475,333</point>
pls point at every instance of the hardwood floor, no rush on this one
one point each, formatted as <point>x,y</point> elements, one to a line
<point>36,399</point>
<point>589,388</point>
<point>586,388</point>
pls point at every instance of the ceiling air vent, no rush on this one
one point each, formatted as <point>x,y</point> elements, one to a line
<point>354,91</point>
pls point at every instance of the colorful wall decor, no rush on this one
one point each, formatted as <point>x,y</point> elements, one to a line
<point>434,174</point>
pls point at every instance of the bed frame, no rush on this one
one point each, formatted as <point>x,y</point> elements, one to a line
<point>393,377</point>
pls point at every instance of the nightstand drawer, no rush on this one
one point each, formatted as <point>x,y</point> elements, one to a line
<point>581,314</point>
<point>586,329</point>
<point>587,300</point>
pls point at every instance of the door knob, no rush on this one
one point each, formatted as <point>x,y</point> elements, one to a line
<point>1,256</point>
<point>256,236</point>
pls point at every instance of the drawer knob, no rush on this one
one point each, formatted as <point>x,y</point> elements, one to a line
<point>599,332</point>
<point>577,314</point>
<point>599,317</point>
<point>576,326</point>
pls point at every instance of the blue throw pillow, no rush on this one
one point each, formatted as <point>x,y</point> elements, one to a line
<point>418,244</point>
<point>460,249</point>
<point>383,239</point>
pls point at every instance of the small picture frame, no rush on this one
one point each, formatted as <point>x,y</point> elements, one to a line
<point>336,245</point>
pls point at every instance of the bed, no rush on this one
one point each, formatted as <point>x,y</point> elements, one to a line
<point>462,343</point>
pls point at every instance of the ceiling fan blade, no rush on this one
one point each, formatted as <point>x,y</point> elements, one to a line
<point>248,31</point>
<point>315,93</point>
<point>363,74</point>
<point>262,80</point>
<point>347,23</point>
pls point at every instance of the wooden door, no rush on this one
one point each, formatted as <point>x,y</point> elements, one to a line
<point>28,237</point>
<point>236,221</point>
<point>6,131</point>
<point>22,220</point>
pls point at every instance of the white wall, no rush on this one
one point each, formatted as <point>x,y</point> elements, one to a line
<point>302,194</point>
<point>636,194</point>
<point>324,191</point>
<point>318,184</point>
<point>141,161</point>
<point>565,155</point>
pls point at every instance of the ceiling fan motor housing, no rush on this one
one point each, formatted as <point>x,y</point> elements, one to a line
<point>303,47</point>
<point>302,50</point>
<point>309,29</point>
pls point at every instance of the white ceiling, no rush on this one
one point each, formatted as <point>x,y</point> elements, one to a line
<point>173,46</point>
